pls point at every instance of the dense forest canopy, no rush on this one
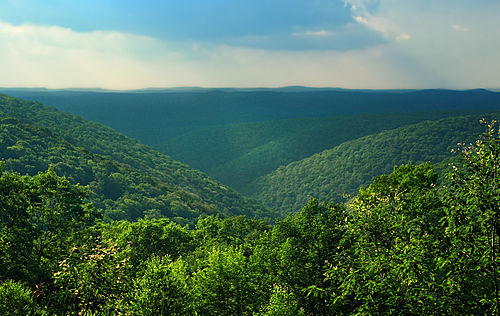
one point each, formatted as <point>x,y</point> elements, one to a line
<point>93,222</point>
<point>402,245</point>
<point>239,135</point>
<point>237,154</point>
<point>332,173</point>
<point>128,180</point>
<point>254,158</point>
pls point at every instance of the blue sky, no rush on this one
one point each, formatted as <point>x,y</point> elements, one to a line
<point>213,43</point>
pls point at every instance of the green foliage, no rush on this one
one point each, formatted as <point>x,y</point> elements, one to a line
<point>237,154</point>
<point>93,278</point>
<point>154,238</point>
<point>162,289</point>
<point>127,179</point>
<point>282,302</point>
<point>237,231</point>
<point>472,216</point>
<point>16,232</point>
<point>392,240</point>
<point>343,169</point>
<point>58,211</point>
<point>295,254</point>
<point>39,215</point>
<point>309,240</point>
<point>237,135</point>
<point>403,245</point>
<point>16,299</point>
<point>222,284</point>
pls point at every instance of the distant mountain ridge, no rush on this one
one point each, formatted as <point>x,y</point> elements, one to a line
<point>146,116</point>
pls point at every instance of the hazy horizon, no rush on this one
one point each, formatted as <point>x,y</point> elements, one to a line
<point>250,88</point>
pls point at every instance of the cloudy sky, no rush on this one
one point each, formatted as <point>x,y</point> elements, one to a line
<point>130,44</point>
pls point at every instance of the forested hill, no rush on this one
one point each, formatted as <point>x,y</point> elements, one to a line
<point>343,169</point>
<point>128,179</point>
<point>237,154</point>
<point>237,135</point>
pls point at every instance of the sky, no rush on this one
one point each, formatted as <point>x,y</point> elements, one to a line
<point>359,44</point>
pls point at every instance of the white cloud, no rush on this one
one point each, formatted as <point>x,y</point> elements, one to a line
<point>422,51</point>
<point>455,38</point>
<point>376,67</point>
<point>60,57</point>
<point>361,13</point>
<point>55,57</point>
<point>361,6</point>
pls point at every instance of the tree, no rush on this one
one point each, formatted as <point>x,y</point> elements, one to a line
<point>58,211</point>
<point>16,232</point>
<point>38,217</point>
<point>93,278</point>
<point>162,289</point>
<point>298,252</point>
<point>154,237</point>
<point>222,285</point>
<point>472,216</point>
<point>281,302</point>
<point>389,249</point>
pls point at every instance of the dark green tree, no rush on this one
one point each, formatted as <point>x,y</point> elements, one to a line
<point>38,218</point>
<point>58,212</point>
<point>472,205</point>
<point>17,234</point>
<point>296,255</point>
<point>148,238</point>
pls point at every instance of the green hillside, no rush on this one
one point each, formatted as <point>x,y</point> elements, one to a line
<point>343,169</point>
<point>237,154</point>
<point>128,179</point>
<point>238,135</point>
